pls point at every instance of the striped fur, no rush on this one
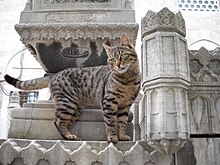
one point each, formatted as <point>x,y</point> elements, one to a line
<point>114,87</point>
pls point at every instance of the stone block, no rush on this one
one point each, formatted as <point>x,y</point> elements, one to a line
<point>36,121</point>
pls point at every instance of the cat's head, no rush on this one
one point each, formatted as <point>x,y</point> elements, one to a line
<point>121,57</point>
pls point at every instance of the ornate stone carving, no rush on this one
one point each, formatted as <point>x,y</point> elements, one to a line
<point>205,65</point>
<point>31,152</point>
<point>39,38</point>
<point>166,79</point>
<point>164,20</point>
<point>204,91</point>
<point>86,17</point>
<point>75,31</point>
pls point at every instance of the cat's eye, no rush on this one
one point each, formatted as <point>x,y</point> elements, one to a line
<point>125,57</point>
<point>111,60</point>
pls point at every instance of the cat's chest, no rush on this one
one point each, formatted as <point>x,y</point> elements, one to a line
<point>124,94</point>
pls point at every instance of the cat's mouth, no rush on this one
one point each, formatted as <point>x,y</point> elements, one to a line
<point>121,69</point>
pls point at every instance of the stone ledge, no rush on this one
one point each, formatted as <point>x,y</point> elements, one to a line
<point>46,152</point>
<point>36,121</point>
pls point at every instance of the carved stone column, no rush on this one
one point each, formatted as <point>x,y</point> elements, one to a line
<point>166,77</point>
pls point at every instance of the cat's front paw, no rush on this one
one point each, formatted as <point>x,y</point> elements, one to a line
<point>71,137</point>
<point>124,137</point>
<point>112,138</point>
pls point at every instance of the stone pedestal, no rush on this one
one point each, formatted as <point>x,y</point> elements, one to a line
<point>63,34</point>
<point>36,121</point>
<point>164,120</point>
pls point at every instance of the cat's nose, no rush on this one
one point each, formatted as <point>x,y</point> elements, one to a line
<point>118,63</point>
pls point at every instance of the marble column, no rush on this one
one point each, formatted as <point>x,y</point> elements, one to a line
<point>166,77</point>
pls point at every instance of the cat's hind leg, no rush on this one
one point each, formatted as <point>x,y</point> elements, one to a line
<point>66,114</point>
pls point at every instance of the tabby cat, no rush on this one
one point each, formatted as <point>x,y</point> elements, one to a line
<point>114,86</point>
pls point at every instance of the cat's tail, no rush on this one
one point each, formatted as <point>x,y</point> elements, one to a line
<point>34,84</point>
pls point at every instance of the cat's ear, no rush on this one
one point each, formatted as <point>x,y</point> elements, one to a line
<point>107,48</point>
<point>125,42</point>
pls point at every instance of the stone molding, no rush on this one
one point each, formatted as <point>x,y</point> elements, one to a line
<point>32,33</point>
<point>164,20</point>
<point>75,31</point>
<point>44,152</point>
<point>205,66</point>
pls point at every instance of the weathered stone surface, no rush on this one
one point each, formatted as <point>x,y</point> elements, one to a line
<point>166,78</point>
<point>164,20</point>
<point>136,155</point>
<point>46,152</point>
<point>36,121</point>
<point>58,154</point>
<point>32,149</point>
<point>167,146</point>
<point>185,155</point>
<point>206,150</point>
<point>204,91</point>
<point>110,155</point>
<point>78,11</point>
<point>84,155</point>
<point>9,151</point>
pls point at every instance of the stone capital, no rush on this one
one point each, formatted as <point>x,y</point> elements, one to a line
<point>164,20</point>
